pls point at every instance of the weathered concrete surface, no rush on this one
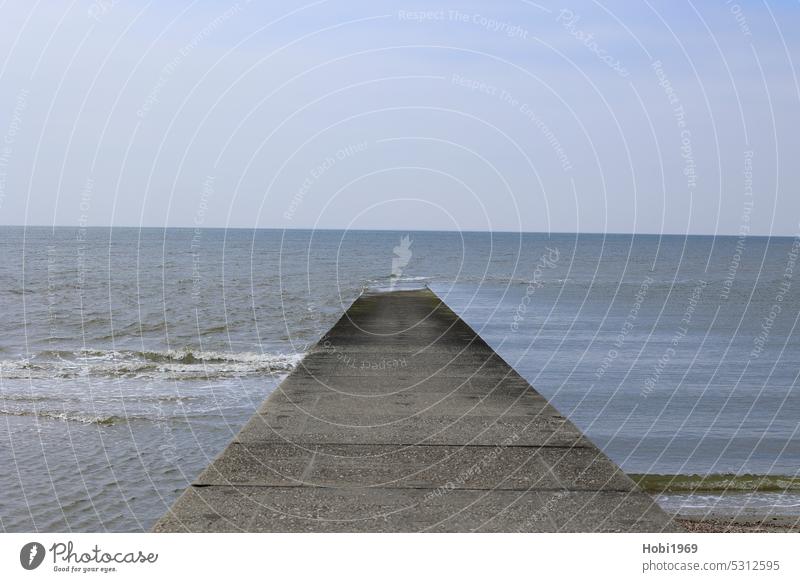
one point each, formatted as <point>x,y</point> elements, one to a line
<point>403,419</point>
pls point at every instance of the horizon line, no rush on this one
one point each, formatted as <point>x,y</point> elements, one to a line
<point>471,231</point>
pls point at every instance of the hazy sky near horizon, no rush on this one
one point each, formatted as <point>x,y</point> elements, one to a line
<point>673,117</point>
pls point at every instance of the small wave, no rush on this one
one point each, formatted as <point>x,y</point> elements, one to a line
<point>543,281</point>
<point>159,399</point>
<point>380,280</point>
<point>66,416</point>
<point>394,283</point>
<point>213,331</point>
<point>720,483</point>
<point>23,397</point>
<point>129,398</point>
<point>185,363</point>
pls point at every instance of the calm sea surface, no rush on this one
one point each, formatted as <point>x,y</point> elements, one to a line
<point>129,358</point>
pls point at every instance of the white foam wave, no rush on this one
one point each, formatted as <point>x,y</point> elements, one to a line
<point>181,364</point>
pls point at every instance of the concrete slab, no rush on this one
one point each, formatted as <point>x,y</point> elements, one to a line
<point>320,509</point>
<point>376,386</point>
<point>415,430</point>
<point>328,402</point>
<point>403,419</point>
<point>451,467</point>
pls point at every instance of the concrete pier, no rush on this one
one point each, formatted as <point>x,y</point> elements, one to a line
<point>402,419</point>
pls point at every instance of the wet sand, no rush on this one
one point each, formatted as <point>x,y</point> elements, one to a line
<point>742,524</point>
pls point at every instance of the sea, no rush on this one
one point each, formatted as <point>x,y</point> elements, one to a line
<point>130,357</point>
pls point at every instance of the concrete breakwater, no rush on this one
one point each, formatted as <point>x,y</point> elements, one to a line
<point>452,440</point>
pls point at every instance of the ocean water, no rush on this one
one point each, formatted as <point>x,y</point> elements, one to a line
<point>130,357</point>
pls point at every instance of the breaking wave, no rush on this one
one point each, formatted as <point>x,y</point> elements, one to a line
<point>180,364</point>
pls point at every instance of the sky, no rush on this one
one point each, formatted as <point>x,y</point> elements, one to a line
<point>647,117</point>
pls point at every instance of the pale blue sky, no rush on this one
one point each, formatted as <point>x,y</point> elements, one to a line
<point>578,116</point>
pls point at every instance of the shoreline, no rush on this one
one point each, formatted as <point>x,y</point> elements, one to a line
<point>716,483</point>
<point>723,503</point>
